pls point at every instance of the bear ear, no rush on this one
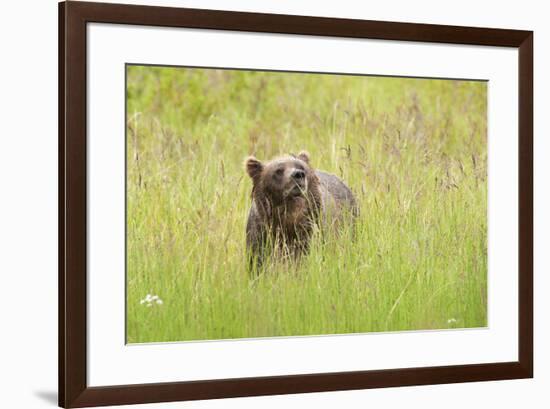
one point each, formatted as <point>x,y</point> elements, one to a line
<point>303,155</point>
<point>253,166</point>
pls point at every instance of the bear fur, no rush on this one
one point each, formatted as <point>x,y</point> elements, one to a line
<point>290,198</point>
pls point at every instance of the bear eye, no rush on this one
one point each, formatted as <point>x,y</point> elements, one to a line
<point>279,172</point>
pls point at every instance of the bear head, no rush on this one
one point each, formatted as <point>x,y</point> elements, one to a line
<point>282,180</point>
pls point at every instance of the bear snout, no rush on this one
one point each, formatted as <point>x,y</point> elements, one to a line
<point>298,175</point>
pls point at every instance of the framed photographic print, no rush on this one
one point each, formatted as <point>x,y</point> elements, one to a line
<point>255,204</point>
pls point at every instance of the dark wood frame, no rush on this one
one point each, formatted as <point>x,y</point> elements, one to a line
<point>73,388</point>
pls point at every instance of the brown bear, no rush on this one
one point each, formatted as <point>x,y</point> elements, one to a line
<point>289,198</point>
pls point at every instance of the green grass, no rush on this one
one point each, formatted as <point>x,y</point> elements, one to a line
<point>413,151</point>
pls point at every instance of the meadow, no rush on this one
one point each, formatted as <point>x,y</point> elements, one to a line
<point>414,151</point>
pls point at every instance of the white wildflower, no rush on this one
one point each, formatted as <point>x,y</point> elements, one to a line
<point>451,321</point>
<point>150,300</point>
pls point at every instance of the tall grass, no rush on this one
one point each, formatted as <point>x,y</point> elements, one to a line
<point>412,150</point>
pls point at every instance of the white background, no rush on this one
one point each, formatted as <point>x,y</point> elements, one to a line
<point>28,216</point>
<point>112,363</point>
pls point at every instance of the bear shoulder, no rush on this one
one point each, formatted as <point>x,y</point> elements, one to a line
<point>336,189</point>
